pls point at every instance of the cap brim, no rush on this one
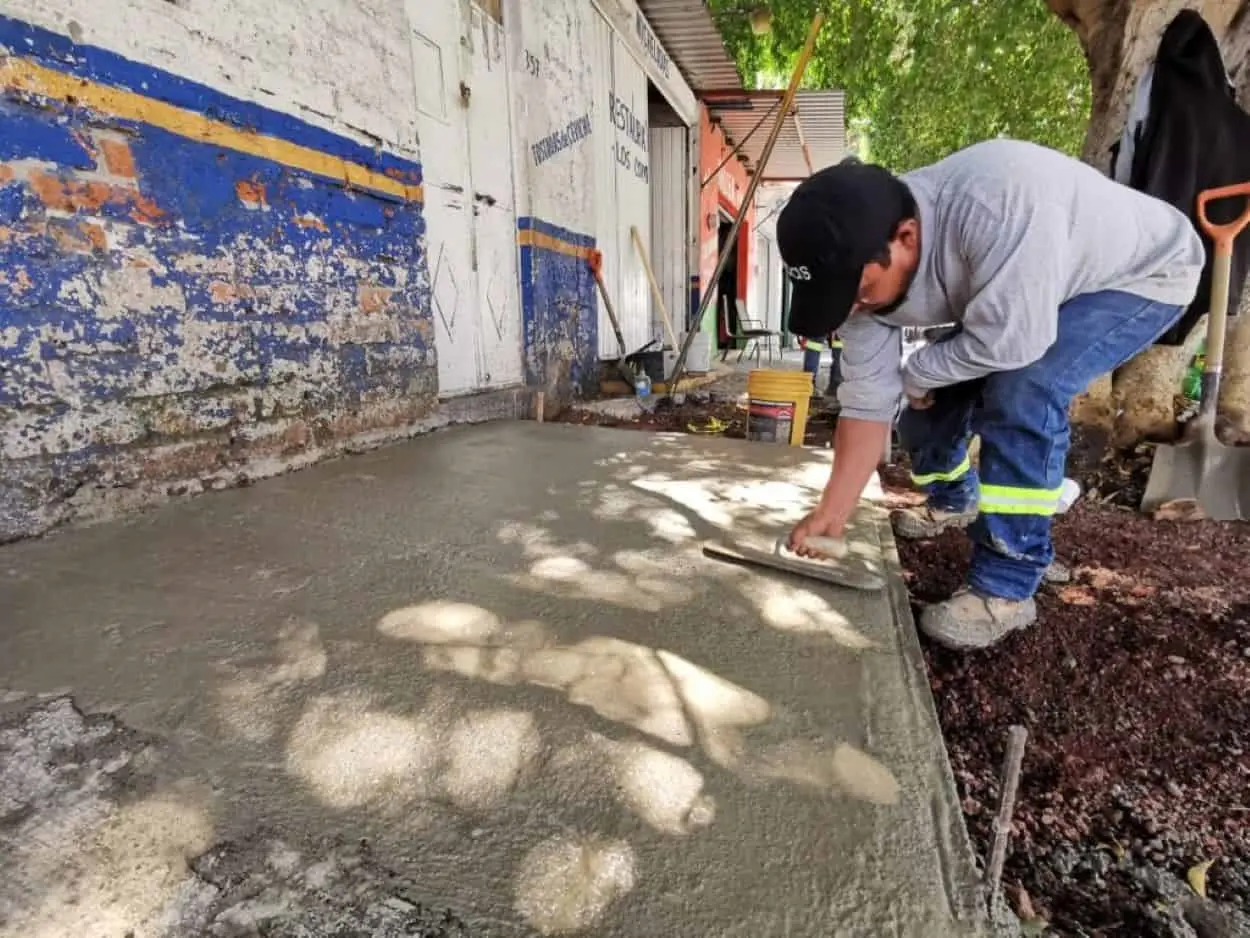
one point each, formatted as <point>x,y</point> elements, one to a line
<point>817,309</point>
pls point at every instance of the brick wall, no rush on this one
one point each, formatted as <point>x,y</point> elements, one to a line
<point>202,281</point>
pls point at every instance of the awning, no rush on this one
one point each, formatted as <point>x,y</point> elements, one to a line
<point>814,134</point>
<point>812,137</point>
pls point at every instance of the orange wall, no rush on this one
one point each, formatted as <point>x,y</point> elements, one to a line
<point>726,191</point>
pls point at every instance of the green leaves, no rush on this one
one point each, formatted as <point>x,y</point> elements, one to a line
<point>926,77</point>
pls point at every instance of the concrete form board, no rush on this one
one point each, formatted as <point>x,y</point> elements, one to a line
<point>498,654</point>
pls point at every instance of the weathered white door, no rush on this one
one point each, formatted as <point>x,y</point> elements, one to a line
<point>443,133</point>
<point>670,245</point>
<point>466,157</point>
<point>494,206</point>
<point>622,189</point>
<point>633,191</point>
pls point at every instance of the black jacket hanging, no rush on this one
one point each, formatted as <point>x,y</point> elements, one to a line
<point>1194,138</point>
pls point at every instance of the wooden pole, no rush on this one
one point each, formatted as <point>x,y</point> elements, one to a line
<point>800,69</point>
<point>1016,737</point>
<point>655,287</point>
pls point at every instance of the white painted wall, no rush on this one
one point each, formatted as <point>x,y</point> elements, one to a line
<point>551,93</point>
<point>636,34</point>
<point>343,65</point>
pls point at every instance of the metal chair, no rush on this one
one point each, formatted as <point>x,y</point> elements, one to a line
<point>749,332</point>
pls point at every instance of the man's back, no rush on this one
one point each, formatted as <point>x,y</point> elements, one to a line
<point>1076,224</point>
<point>1010,231</point>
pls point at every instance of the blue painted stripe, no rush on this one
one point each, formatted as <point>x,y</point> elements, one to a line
<point>99,65</point>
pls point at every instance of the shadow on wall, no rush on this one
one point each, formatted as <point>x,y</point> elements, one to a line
<point>450,710</point>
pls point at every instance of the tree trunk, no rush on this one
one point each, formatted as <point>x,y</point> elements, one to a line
<point>1120,38</point>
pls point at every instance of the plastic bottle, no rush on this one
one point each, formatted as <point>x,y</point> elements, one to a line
<point>1191,386</point>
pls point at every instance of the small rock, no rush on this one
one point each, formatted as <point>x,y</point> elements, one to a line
<point>1173,789</point>
<point>1021,902</point>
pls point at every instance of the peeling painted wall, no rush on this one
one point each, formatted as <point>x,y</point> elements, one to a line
<point>195,287</point>
<point>555,185</point>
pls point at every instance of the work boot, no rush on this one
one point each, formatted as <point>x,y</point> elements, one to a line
<point>969,621</point>
<point>926,521</point>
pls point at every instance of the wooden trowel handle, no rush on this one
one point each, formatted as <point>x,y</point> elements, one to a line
<point>1224,235</point>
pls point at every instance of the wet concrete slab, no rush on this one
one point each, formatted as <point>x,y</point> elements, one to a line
<point>496,660</point>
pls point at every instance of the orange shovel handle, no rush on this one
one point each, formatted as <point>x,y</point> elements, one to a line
<point>1224,235</point>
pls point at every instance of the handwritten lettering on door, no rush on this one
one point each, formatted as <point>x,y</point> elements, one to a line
<point>634,130</point>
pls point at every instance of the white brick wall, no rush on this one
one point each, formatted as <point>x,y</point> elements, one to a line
<point>344,65</point>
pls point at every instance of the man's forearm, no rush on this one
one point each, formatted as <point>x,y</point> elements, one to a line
<point>858,446</point>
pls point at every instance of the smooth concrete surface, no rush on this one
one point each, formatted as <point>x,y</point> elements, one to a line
<point>498,655</point>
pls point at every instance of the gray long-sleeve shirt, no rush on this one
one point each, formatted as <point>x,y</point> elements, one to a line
<point>1009,231</point>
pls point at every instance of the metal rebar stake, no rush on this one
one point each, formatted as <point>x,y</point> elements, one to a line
<point>1016,738</point>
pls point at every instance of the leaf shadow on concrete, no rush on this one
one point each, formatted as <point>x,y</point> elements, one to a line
<point>538,712</point>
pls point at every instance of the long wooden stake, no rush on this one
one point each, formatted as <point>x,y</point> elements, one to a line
<point>1016,738</point>
<point>787,102</point>
<point>655,287</point>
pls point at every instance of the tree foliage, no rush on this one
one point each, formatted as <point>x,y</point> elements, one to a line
<point>926,77</point>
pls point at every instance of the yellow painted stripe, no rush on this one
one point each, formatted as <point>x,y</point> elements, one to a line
<point>24,75</point>
<point>538,239</point>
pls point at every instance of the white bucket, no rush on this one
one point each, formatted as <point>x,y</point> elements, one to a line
<point>699,359</point>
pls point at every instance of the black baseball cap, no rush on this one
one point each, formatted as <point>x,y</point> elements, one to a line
<point>837,221</point>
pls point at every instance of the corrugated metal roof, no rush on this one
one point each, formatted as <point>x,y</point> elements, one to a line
<point>814,134</point>
<point>689,35</point>
<point>812,137</point>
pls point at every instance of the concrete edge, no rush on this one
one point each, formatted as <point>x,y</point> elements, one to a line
<point>97,504</point>
<point>960,874</point>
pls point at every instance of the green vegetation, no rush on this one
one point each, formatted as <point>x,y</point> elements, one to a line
<point>926,77</point>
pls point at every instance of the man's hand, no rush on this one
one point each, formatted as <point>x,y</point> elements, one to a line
<point>819,523</point>
<point>923,402</point>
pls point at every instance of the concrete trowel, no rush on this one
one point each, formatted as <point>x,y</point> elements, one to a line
<point>834,566</point>
<point>1200,467</point>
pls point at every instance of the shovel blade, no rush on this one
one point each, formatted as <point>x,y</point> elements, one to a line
<point>1224,491</point>
<point>1216,476</point>
<point>1170,478</point>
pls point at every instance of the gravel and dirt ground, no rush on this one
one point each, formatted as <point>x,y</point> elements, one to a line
<point>1133,687</point>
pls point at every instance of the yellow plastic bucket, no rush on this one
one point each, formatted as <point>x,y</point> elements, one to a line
<point>777,405</point>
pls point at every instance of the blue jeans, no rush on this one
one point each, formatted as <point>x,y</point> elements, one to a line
<point>1022,419</point>
<point>811,364</point>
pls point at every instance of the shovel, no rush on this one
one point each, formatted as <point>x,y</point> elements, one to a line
<point>622,363</point>
<point>1200,467</point>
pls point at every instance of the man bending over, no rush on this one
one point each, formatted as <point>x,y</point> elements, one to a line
<point>1052,275</point>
